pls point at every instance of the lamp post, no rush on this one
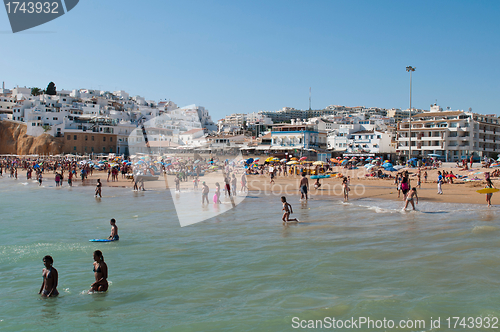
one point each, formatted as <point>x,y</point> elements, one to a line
<point>411,70</point>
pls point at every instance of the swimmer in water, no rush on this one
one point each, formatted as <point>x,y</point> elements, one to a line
<point>114,230</point>
<point>288,210</point>
<point>100,274</point>
<point>50,278</point>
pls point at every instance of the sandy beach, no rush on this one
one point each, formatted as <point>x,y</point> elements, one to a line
<point>361,186</point>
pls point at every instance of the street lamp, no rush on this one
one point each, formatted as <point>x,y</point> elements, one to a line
<point>410,69</point>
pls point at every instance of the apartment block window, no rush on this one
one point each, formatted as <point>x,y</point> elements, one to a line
<point>103,149</point>
<point>111,139</point>
<point>74,137</point>
<point>92,138</point>
<point>74,148</point>
<point>104,139</point>
<point>86,137</point>
<point>69,137</point>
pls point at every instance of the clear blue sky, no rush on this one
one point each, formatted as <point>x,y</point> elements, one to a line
<point>245,56</point>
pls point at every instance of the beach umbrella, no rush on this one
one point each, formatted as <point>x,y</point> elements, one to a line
<point>302,158</point>
<point>284,160</point>
<point>275,159</point>
<point>434,155</point>
<point>335,161</point>
<point>249,160</point>
<point>368,166</point>
<point>369,158</point>
<point>398,167</point>
<point>339,158</point>
<point>36,166</point>
<point>387,165</point>
<point>451,176</point>
<point>346,157</point>
<point>294,158</point>
<point>391,169</point>
<point>256,160</point>
<point>344,162</point>
<point>292,162</point>
<point>378,158</point>
<point>362,158</point>
<point>318,163</point>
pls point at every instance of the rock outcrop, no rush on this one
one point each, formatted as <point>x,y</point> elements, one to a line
<point>13,140</point>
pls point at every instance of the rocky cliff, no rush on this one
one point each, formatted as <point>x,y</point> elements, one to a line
<point>13,140</point>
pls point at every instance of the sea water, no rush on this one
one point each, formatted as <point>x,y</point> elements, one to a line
<point>241,270</point>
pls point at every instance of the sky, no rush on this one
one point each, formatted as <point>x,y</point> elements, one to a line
<point>246,56</point>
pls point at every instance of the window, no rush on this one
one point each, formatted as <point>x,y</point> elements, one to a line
<point>111,139</point>
<point>104,139</point>
<point>103,149</point>
<point>74,137</point>
<point>92,138</point>
<point>69,137</point>
<point>86,137</point>
<point>74,148</point>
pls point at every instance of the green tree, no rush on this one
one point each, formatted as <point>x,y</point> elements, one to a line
<point>35,91</point>
<point>51,89</point>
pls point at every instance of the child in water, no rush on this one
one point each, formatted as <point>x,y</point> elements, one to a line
<point>288,210</point>
<point>412,194</point>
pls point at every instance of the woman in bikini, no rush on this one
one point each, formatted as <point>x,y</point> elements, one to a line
<point>100,273</point>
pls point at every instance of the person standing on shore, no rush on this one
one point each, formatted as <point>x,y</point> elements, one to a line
<point>303,186</point>
<point>439,183</point>
<point>244,182</point>
<point>98,188</point>
<point>40,179</point>
<point>489,184</point>
<point>346,189</point>
<point>233,184</point>
<point>204,193</point>
<point>50,278</point>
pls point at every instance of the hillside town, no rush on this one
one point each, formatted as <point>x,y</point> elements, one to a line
<point>104,122</point>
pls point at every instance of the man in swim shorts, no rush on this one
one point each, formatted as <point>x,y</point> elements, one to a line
<point>204,193</point>
<point>114,230</point>
<point>50,278</point>
<point>303,186</point>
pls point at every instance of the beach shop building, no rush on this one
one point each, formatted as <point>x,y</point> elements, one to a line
<point>455,135</point>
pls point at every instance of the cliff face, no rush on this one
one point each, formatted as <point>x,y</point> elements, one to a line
<point>13,140</point>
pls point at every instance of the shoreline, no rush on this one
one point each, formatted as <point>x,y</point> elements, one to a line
<point>361,187</point>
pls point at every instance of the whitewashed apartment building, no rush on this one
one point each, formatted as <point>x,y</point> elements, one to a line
<point>455,135</point>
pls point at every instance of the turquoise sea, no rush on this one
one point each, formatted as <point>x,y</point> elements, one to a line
<point>242,270</point>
